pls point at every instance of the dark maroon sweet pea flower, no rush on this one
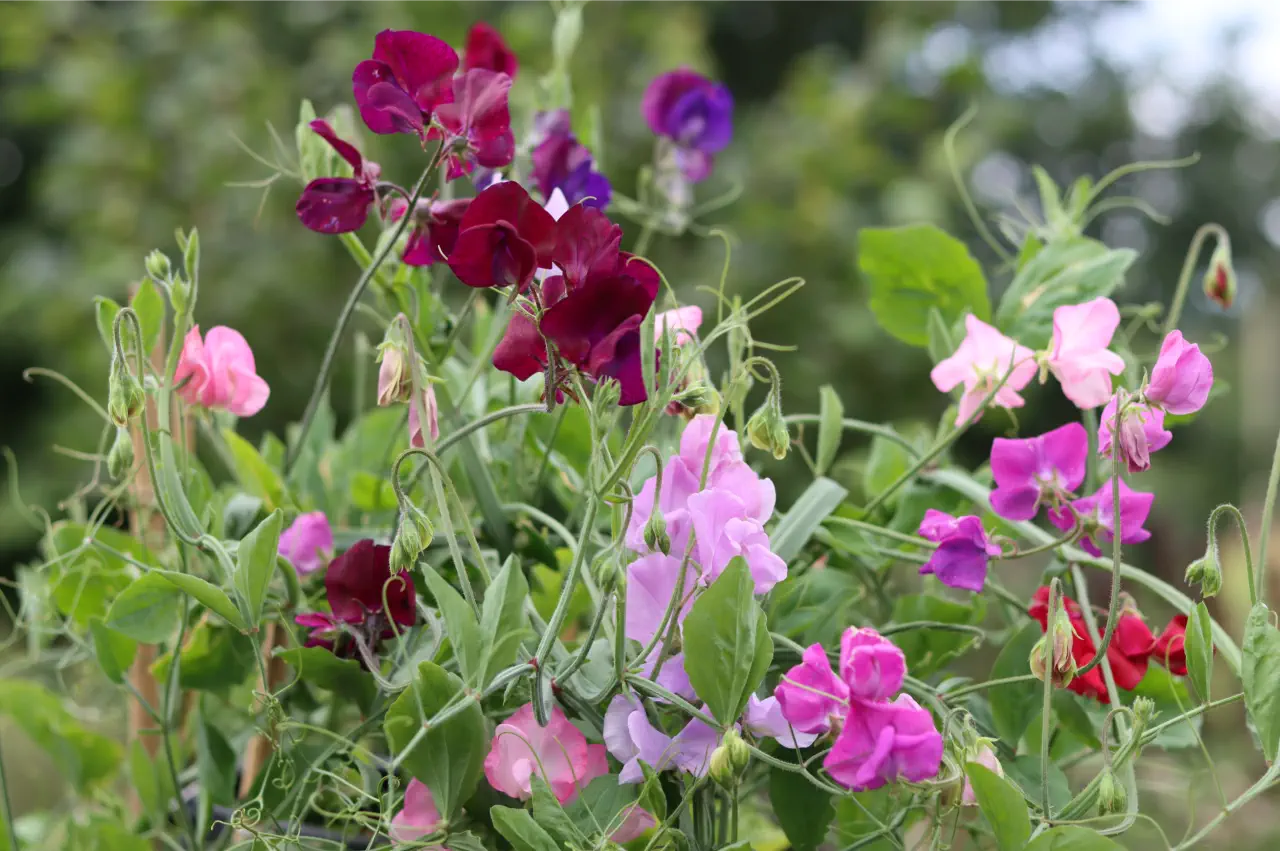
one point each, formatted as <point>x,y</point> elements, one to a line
<point>408,77</point>
<point>695,113</point>
<point>587,246</point>
<point>477,124</point>
<point>486,49</point>
<point>358,581</point>
<point>339,204</point>
<point>503,238</point>
<point>561,162</point>
<point>435,229</point>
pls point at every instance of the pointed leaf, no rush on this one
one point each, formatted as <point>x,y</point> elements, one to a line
<point>256,562</point>
<point>548,813</point>
<point>502,618</point>
<point>804,812</point>
<point>254,474</point>
<point>114,650</point>
<point>830,428</point>
<point>1199,650</point>
<point>1072,838</point>
<point>1260,670</point>
<point>797,526</point>
<point>207,594</point>
<point>1003,805</point>
<point>519,828</point>
<point>149,305</point>
<point>343,677</point>
<point>1014,705</point>
<point>105,311</point>
<point>147,610</point>
<point>460,625</point>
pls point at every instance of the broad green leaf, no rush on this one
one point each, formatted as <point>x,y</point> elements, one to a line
<point>372,493</point>
<point>1199,650</point>
<point>343,677</point>
<point>150,778</point>
<point>928,649</point>
<point>82,756</point>
<point>548,813</point>
<point>207,594</point>
<point>519,828</point>
<point>449,756</point>
<point>804,812</point>
<point>859,817</point>
<point>813,506</point>
<point>1072,838</point>
<point>1073,718</point>
<point>214,658</point>
<point>169,486</point>
<point>460,625</point>
<point>1014,705</point>
<point>147,610</point>
<point>726,643</point>
<point>1003,806</point>
<point>114,650</point>
<point>215,763</point>
<point>100,833</point>
<point>256,562</point>
<point>466,840</point>
<point>502,618</point>
<point>830,428</point>
<point>88,567</point>
<point>105,311</point>
<point>605,803</point>
<point>1025,772</point>
<point>1260,670</point>
<point>254,474</point>
<point>885,465</point>
<point>149,305</point>
<point>910,270</point>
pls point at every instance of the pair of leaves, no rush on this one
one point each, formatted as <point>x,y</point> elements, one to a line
<point>147,610</point>
<point>483,648</point>
<point>147,302</point>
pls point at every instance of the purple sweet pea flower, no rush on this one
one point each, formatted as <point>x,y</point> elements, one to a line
<point>810,694</point>
<point>307,542</point>
<point>1182,377</point>
<point>960,560</point>
<point>632,740</point>
<point>1097,517</point>
<point>883,743</point>
<point>1141,431</point>
<point>561,162</point>
<point>871,666</point>
<point>723,530</point>
<point>1037,470</point>
<point>673,677</point>
<point>765,718</point>
<point>694,745</point>
<point>650,583</point>
<point>409,75</point>
<point>339,204</point>
<point>694,113</point>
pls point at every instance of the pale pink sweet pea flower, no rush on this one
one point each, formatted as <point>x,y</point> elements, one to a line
<point>218,372</point>
<point>307,542</point>
<point>763,717</point>
<point>985,757</point>
<point>1078,353</point>
<point>428,403</point>
<point>871,665</point>
<point>558,753</point>
<point>1034,471</point>
<point>810,694</point>
<point>723,530</point>
<point>1182,377</point>
<point>651,581</point>
<point>635,821</point>
<point>883,743</point>
<point>419,817</point>
<point>1141,431</point>
<point>979,363</point>
<point>683,322</point>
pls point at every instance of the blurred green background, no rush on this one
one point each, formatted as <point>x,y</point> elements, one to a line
<point>119,121</point>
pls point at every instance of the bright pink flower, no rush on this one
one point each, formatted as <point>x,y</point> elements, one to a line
<point>883,743</point>
<point>1078,353</point>
<point>1182,377</point>
<point>477,124</point>
<point>218,372</point>
<point>1095,512</point>
<point>764,718</point>
<point>406,80</point>
<point>650,583</point>
<point>683,322</point>
<point>419,817</point>
<point>503,237</point>
<point>307,542</point>
<point>871,665</point>
<point>724,530</point>
<point>428,403</point>
<point>339,204</point>
<point>960,560</point>
<point>1141,432</point>
<point>979,363</point>
<point>558,753</point>
<point>985,757</point>
<point>810,694</point>
<point>1037,470</point>
<point>486,49</point>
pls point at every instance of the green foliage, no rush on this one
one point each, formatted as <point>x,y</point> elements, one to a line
<point>1003,806</point>
<point>462,626</point>
<point>1199,650</point>
<point>147,610</point>
<point>84,758</point>
<point>1015,705</point>
<point>502,619</point>
<point>830,428</point>
<point>804,518</point>
<point>1260,670</point>
<point>803,812</point>
<point>929,648</point>
<point>1072,838</point>
<point>519,828</point>
<point>256,563</point>
<point>344,677</point>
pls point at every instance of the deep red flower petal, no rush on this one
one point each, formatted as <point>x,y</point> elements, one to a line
<point>486,49</point>
<point>522,352</point>
<point>643,273</point>
<point>592,312</point>
<point>1171,647</point>
<point>618,356</point>
<point>586,245</point>
<point>509,202</point>
<point>423,65</point>
<point>364,78</point>
<point>492,255</point>
<point>345,149</point>
<point>335,204</point>
<point>357,582</point>
<point>396,108</point>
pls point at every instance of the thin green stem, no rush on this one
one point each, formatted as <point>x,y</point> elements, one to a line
<point>488,419</point>
<point>1113,608</point>
<point>986,684</point>
<point>6,810</point>
<point>873,529</point>
<point>1268,509</point>
<point>1254,588</point>
<point>1046,710</point>
<point>542,656</point>
<point>1189,266</point>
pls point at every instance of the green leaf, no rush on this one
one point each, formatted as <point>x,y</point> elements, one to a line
<point>256,563</point>
<point>803,812</point>
<point>105,311</point>
<point>502,618</point>
<point>519,828</point>
<point>149,305</point>
<point>147,610</point>
<point>1003,806</point>
<point>797,526</point>
<point>1172,698</point>
<point>151,780</point>
<point>1074,718</point>
<point>449,756</point>
<point>343,677</point>
<point>1260,670</point>
<point>1014,705</point>
<point>548,813</point>
<point>940,345</point>
<point>85,577</point>
<point>372,493</point>
<point>254,474</point>
<point>215,763</point>
<point>1199,650</point>
<point>214,658</point>
<point>858,819</point>
<point>207,594</point>
<point>114,650</point>
<point>830,428</point>
<point>911,270</point>
<point>928,649</point>
<point>605,803</point>
<point>885,465</point>
<point>727,645</point>
<point>1072,838</point>
<point>460,625</point>
<point>82,756</point>
<point>1025,772</point>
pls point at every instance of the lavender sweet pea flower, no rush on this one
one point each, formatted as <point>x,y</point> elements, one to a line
<point>810,694</point>
<point>1141,431</point>
<point>632,740</point>
<point>694,113</point>
<point>765,718</point>
<point>1182,377</point>
<point>307,542</point>
<point>1096,513</point>
<point>724,530</point>
<point>960,560</point>
<point>883,743</point>
<point>561,162</point>
<point>650,583</point>
<point>1037,470</point>
<point>672,676</point>
<point>693,747</point>
<point>871,665</point>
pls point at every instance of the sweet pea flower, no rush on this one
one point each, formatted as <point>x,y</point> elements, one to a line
<point>672,676</point>
<point>982,359</point>
<point>650,583</point>
<point>635,821</point>
<point>339,204</point>
<point>357,583</point>
<point>1182,377</point>
<point>408,77</point>
<point>307,541</point>
<point>1141,431</point>
<point>1037,470</point>
<point>503,237</point>
<point>885,742</point>
<point>218,371</point>
<point>558,753</point>
<point>434,230</point>
<point>810,694</point>
<point>561,162</point>
<point>477,123</point>
<point>1131,647</point>
<point>1078,354</point>
<point>1170,649</point>
<point>1096,514</point>
<point>960,559</point>
<point>1128,653</point>
<point>683,322</point>
<point>633,740</point>
<point>763,717</point>
<point>695,114</point>
<point>986,757</point>
<point>723,530</point>
<point>428,404</point>
<point>486,49</point>
<point>419,816</point>
<point>871,666</point>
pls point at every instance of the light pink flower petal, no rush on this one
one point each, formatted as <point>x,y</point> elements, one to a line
<point>683,322</point>
<point>419,816</point>
<point>558,753</point>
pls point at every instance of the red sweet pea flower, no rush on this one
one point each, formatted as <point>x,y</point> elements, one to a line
<point>503,237</point>
<point>435,229</point>
<point>477,125</point>
<point>406,80</point>
<point>1130,649</point>
<point>1171,647</point>
<point>339,204</point>
<point>486,49</point>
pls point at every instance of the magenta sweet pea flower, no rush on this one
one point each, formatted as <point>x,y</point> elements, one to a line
<point>1141,431</point>
<point>883,743</point>
<point>1182,377</point>
<point>1095,513</point>
<point>694,113</point>
<point>486,49</point>
<point>339,204</point>
<point>419,816</point>
<point>987,758</point>
<point>763,717</point>
<point>503,237</point>
<point>218,371</point>
<point>561,162</point>
<point>979,363</point>
<point>477,123</point>
<point>409,76</point>
<point>434,230</point>
<point>811,694</point>
<point>1036,471</point>
<point>683,322</point>
<point>723,530</point>
<point>307,542</point>
<point>960,559</point>
<point>1078,353</point>
<point>558,753</point>
<point>870,665</point>
<point>650,583</point>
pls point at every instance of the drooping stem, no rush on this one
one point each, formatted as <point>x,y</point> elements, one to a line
<point>1268,509</point>
<point>1255,588</point>
<point>1189,266</point>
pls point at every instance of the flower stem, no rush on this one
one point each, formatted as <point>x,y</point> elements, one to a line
<point>1268,509</point>
<point>6,811</point>
<point>1255,589</point>
<point>872,529</point>
<point>1046,713</point>
<point>1113,608</point>
<point>1188,266</point>
<point>543,653</point>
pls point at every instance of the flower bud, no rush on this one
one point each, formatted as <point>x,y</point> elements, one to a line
<point>1112,797</point>
<point>739,753</point>
<point>700,398</point>
<point>120,458</point>
<point>157,266</point>
<point>606,571</point>
<point>1220,279</point>
<point>655,533</point>
<point>1206,572</point>
<point>1144,709</point>
<point>766,429</point>
<point>179,295</point>
<point>125,398</point>
<point>412,537</point>
<point>395,377</point>
<point>721,768</point>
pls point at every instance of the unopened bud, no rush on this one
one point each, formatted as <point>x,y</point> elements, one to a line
<point>1220,279</point>
<point>1144,709</point>
<point>767,430</point>
<point>605,399</point>
<point>179,295</point>
<point>412,537</point>
<point>1112,797</point>
<point>739,753</point>
<point>655,533</point>
<point>395,378</point>
<point>120,458</point>
<point>606,571</point>
<point>700,398</point>
<point>125,398</point>
<point>721,768</point>
<point>158,266</point>
<point>1206,572</point>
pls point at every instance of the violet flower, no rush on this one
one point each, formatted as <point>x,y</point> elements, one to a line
<point>561,162</point>
<point>871,666</point>
<point>960,559</point>
<point>693,112</point>
<point>1095,513</point>
<point>810,694</point>
<point>477,123</point>
<point>486,49</point>
<point>1036,471</point>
